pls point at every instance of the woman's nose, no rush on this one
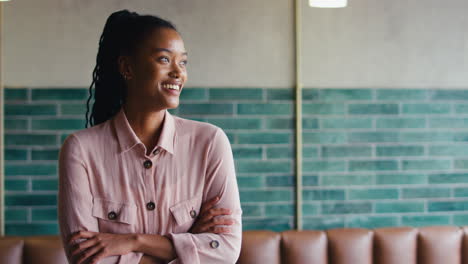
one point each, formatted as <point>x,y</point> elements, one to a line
<point>175,72</point>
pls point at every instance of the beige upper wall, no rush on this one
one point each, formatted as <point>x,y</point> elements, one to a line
<point>249,43</point>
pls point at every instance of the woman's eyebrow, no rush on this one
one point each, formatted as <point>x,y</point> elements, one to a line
<point>166,50</point>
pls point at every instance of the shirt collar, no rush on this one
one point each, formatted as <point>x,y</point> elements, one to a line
<point>128,139</point>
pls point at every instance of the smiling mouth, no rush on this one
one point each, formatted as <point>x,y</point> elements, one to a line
<point>175,87</point>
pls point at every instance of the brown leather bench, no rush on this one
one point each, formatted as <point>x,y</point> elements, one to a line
<point>399,245</point>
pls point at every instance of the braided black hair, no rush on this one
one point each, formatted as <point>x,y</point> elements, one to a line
<point>122,34</point>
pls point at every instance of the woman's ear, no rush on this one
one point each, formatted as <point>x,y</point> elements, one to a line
<point>124,67</point>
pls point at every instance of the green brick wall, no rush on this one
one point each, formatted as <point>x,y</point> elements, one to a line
<point>372,157</point>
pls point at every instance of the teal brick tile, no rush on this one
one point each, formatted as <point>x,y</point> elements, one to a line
<point>30,140</point>
<point>455,150</point>
<point>280,123</point>
<point>231,137</point>
<point>50,154</point>
<point>280,94</point>
<point>266,196</point>
<point>31,169</point>
<point>345,94</point>
<point>274,224</point>
<point>45,185</point>
<point>280,152</point>
<point>263,166</point>
<point>310,209</point>
<point>194,94</point>
<point>461,164</point>
<point>16,185</point>
<point>235,94</point>
<point>31,229</point>
<point>448,122</point>
<point>279,210</point>
<point>372,194</point>
<point>58,124</point>
<point>65,135</point>
<point>373,165</point>
<point>425,220</point>
<point>460,192</point>
<point>432,137</point>
<point>347,208</point>
<point>401,123</point>
<point>310,123</point>
<point>247,152</point>
<point>461,108</point>
<point>445,206</point>
<point>74,109</point>
<point>398,151</point>
<point>14,94</point>
<point>280,181</point>
<point>15,124</point>
<point>264,138</point>
<point>322,195</point>
<point>265,109</point>
<point>449,95</point>
<point>16,154</point>
<point>59,94</point>
<point>16,215</point>
<point>346,151</point>
<point>309,152</point>
<point>426,109</point>
<point>427,192</point>
<point>322,166</point>
<point>346,180</point>
<point>323,223</point>
<point>30,110</point>
<point>310,180</point>
<point>236,123</point>
<point>346,123</point>
<point>426,164</point>
<point>371,221</point>
<point>251,210</point>
<point>322,109</point>
<point>250,181</point>
<point>324,137</point>
<point>30,199</point>
<point>397,179</point>
<point>373,109</point>
<point>460,220</point>
<point>310,94</point>
<point>448,178</point>
<point>401,94</point>
<point>399,207</point>
<point>44,214</point>
<point>206,109</point>
<point>373,137</point>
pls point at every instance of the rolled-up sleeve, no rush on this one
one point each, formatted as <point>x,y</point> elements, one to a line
<point>75,200</point>
<point>220,181</point>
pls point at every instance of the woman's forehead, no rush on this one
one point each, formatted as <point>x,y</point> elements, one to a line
<point>165,39</point>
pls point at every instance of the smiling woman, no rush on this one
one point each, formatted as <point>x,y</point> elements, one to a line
<point>141,185</point>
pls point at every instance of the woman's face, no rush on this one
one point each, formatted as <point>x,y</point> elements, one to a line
<point>157,71</point>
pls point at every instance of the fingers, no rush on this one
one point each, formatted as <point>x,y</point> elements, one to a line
<point>101,254</point>
<point>209,204</point>
<point>88,253</point>
<point>215,224</point>
<point>81,234</point>
<point>83,246</point>
<point>207,216</point>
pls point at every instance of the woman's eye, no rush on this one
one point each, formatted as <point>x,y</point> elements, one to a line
<point>184,62</point>
<point>164,59</point>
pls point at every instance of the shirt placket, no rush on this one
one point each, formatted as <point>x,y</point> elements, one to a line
<point>150,169</point>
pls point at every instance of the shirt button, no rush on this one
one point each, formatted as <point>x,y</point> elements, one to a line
<point>150,206</point>
<point>193,213</point>
<point>148,164</point>
<point>214,244</point>
<point>156,151</point>
<point>112,215</point>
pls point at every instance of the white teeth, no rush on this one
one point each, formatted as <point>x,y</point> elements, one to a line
<point>171,86</point>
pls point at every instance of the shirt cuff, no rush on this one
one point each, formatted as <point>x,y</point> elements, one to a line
<point>185,248</point>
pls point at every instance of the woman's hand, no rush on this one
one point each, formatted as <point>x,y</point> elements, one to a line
<point>208,222</point>
<point>100,245</point>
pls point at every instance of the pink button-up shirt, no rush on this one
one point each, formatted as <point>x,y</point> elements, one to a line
<point>108,184</point>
